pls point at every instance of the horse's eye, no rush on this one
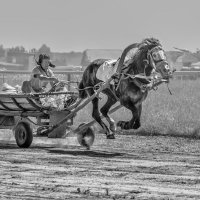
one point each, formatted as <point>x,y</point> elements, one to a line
<point>154,55</point>
<point>167,67</point>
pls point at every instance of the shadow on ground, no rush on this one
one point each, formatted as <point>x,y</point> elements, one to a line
<point>193,134</point>
<point>103,154</point>
<point>70,150</point>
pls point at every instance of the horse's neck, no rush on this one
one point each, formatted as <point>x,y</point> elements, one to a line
<point>135,68</point>
<point>137,65</point>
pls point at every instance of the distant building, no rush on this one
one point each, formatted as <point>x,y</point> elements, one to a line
<point>181,60</point>
<point>186,59</point>
<point>172,59</point>
<point>175,58</point>
<point>19,59</point>
<point>195,66</point>
<point>4,66</point>
<point>66,59</point>
<point>90,55</point>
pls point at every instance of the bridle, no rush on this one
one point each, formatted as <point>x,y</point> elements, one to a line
<point>155,57</point>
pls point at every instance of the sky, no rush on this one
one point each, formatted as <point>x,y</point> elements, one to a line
<point>76,25</point>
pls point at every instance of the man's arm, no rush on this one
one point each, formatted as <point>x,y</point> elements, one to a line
<point>45,78</point>
<point>37,74</point>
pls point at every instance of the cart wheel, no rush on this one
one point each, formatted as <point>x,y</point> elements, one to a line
<point>23,135</point>
<point>86,137</point>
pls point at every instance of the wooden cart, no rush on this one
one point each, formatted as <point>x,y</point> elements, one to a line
<point>22,112</point>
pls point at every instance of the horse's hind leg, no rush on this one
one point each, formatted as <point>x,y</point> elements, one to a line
<point>96,116</point>
<point>134,123</point>
<point>137,123</point>
<point>104,110</point>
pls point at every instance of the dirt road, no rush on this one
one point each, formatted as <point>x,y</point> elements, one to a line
<point>130,167</point>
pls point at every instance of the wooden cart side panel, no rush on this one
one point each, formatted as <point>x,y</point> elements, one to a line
<point>12,106</point>
<point>1,107</point>
<point>10,99</point>
<point>17,103</point>
<point>23,114</point>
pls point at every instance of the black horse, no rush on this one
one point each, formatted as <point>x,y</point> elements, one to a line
<point>129,91</point>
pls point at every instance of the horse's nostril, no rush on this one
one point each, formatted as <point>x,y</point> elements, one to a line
<point>167,67</point>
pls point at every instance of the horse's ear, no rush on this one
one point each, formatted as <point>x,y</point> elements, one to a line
<point>142,45</point>
<point>146,62</point>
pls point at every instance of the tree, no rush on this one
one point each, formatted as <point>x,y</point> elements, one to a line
<point>33,50</point>
<point>2,51</point>
<point>17,49</point>
<point>197,53</point>
<point>44,49</point>
<point>22,49</point>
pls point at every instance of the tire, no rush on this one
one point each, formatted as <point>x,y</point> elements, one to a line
<point>86,137</point>
<point>23,135</point>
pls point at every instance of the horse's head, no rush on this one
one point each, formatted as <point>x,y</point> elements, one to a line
<point>149,57</point>
<point>155,58</point>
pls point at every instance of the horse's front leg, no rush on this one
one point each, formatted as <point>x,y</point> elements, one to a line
<point>137,123</point>
<point>106,107</point>
<point>96,116</point>
<point>134,123</point>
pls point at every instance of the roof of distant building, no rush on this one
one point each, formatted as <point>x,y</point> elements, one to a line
<point>187,58</point>
<point>195,64</point>
<point>6,64</point>
<point>90,55</point>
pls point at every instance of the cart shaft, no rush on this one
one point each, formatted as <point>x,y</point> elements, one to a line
<point>78,130</point>
<point>87,101</point>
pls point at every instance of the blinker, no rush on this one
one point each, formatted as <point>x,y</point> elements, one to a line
<point>158,54</point>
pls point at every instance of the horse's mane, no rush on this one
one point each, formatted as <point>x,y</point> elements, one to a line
<point>148,43</point>
<point>143,47</point>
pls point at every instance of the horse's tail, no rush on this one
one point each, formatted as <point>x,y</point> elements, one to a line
<point>82,91</point>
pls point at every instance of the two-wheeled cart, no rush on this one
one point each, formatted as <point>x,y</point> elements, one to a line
<point>23,112</point>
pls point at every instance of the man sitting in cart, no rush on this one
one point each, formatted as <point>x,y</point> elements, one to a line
<point>42,75</point>
<point>42,80</point>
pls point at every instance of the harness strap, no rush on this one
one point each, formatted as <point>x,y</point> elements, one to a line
<point>143,87</point>
<point>114,93</point>
<point>124,53</point>
<point>141,76</point>
<point>153,82</point>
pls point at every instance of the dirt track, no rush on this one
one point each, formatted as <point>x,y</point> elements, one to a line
<point>131,167</point>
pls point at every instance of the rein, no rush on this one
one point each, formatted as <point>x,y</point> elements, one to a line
<point>153,82</point>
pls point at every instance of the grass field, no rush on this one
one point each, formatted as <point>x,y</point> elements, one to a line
<point>163,114</point>
<point>130,167</point>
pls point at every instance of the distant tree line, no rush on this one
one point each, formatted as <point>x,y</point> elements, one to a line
<point>2,51</point>
<point>197,54</point>
<point>20,49</point>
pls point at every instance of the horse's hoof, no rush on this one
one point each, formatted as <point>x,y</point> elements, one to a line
<point>111,136</point>
<point>124,125</point>
<point>136,125</point>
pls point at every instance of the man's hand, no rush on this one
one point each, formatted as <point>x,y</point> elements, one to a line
<point>55,80</point>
